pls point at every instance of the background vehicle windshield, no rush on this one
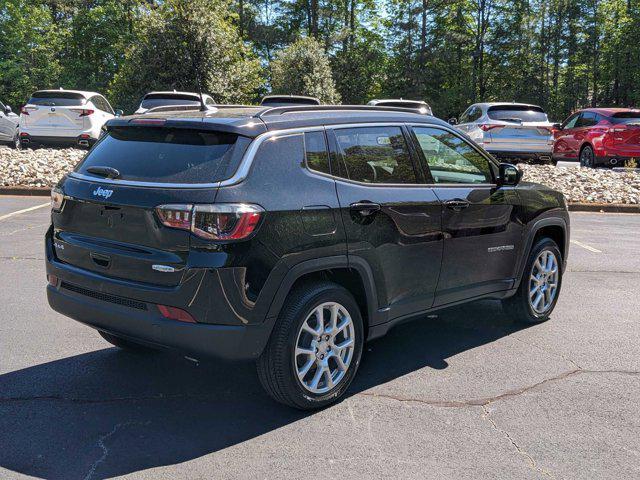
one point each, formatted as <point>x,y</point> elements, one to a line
<point>626,118</point>
<point>167,155</point>
<point>524,113</point>
<point>152,101</point>
<point>57,99</point>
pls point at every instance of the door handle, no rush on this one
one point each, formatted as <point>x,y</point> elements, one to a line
<point>365,208</point>
<point>457,204</point>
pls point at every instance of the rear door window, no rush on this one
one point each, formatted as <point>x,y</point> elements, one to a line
<point>375,155</point>
<point>167,155</point>
<point>587,119</point>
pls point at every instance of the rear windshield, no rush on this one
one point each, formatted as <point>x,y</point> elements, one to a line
<point>167,155</point>
<point>524,113</point>
<point>160,100</point>
<point>626,118</point>
<point>57,99</point>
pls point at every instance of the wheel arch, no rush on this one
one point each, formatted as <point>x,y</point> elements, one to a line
<point>555,228</point>
<point>355,276</point>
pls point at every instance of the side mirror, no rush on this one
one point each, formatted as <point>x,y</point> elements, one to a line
<point>453,121</point>
<point>119,113</point>
<point>7,110</point>
<point>557,126</point>
<point>509,175</point>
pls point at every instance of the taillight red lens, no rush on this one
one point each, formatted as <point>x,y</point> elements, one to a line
<point>175,216</point>
<point>83,112</point>
<point>486,128</point>
<point>225,221</point>
<point>25,110</point>
<point>232,221</point>
<point>174,313</point>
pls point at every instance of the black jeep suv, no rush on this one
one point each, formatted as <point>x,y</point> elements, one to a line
<point>292,235</point>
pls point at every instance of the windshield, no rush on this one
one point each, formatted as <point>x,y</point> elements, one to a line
<point>626,118</point>
<point>524,113</point>
<point>167,155</point>
<point>152,101</point>
<point>57,99</point>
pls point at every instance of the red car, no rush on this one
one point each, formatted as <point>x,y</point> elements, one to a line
<point>599,137</point>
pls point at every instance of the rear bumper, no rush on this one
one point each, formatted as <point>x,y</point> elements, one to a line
<point>225,342</point>
<point>130,310</point>
<point>27,139</point>
<point>537,156</point>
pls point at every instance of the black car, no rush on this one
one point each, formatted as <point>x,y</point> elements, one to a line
<point>293,235</point>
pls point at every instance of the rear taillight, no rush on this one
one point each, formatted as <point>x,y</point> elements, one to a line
<point>223,222</point>
<point>486,127</point>
<point>174,313</point>
<point>26,110</point>
<point>83,112</point>
<point>57,199</point>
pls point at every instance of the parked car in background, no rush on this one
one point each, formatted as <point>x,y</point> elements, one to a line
<point>599,137</point>
<point>9,122</point>
<point>185,232</point>
<point>509,131</point>
<point>154,100</point>
<point>419,106</point>
<point>64,117</point>
<point>286,100</point>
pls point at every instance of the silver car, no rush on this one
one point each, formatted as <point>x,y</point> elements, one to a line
<point>509,131</point>
<point>9,126</point>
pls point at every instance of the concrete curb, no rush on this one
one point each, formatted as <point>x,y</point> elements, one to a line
<point>26,191</point>
<point>573,207</point>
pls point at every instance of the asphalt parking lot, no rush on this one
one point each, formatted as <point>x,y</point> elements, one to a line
<point>464,394</point>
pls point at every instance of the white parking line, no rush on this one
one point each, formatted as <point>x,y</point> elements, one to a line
<point>586,247</point>
<point>24,210</point>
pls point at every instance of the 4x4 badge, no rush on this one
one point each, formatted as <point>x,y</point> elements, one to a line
<point>102,192</point>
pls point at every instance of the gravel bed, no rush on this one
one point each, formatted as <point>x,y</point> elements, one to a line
<point>43,167</point>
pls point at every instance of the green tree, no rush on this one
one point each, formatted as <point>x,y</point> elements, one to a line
<point>180,43</point>
<point>303,69</point>
<point>29,46</point>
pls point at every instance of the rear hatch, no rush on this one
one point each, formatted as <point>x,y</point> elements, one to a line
<point>626,131</point>
<point>111,225</point>
<point>59,111</point>
<point>519,129</point>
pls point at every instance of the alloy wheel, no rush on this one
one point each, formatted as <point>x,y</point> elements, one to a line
<point>324,348</point>
<point>543,282</point>
<point>586,157</point>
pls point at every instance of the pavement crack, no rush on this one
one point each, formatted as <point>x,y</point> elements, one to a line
<point>103,447</point>
<point>551,352</point>
<point>482,402</point>
<point>532,463</point>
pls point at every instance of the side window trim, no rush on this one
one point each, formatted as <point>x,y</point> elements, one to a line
<point>492,163</point>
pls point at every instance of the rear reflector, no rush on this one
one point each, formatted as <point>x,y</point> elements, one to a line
<point>174,313</point>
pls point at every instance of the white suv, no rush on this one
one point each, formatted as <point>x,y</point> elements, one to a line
<point>511,132</point>
<point>70,117</point>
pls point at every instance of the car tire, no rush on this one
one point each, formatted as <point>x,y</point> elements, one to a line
<point>526,305</point>
<point>294,356</point>
<point>15,143</point>
<point>124,344</point>
<point>587,157</point>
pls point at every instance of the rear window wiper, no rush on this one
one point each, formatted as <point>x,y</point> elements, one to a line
<point>107,172</point>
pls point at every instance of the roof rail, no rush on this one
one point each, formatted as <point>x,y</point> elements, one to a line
<point>339,108</point>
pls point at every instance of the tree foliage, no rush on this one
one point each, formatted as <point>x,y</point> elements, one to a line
<point>303,68</point>
<point>560,54</point>
<point>186,45</point>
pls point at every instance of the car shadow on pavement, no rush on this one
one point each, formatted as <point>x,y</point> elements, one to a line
<point>109,413</point>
